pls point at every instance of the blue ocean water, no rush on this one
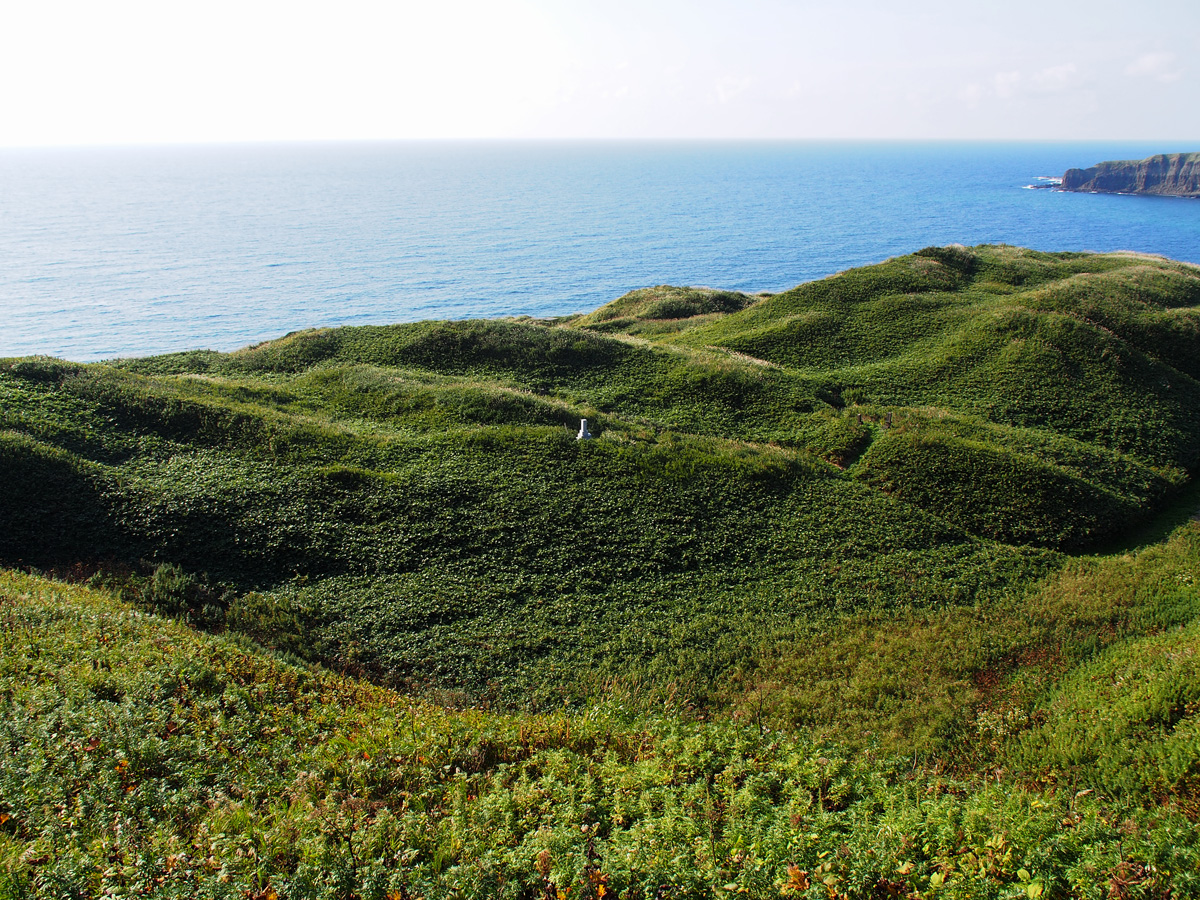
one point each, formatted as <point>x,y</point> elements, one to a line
<point>134,251</point>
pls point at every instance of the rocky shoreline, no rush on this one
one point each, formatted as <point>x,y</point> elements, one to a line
<point>1167,174</point>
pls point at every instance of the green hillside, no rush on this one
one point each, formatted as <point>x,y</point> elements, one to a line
<point>410,502</point>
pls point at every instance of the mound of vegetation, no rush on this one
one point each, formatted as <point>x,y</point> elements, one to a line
<point>659,310</point>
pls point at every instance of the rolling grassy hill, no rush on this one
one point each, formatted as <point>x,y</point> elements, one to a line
<point>929,511</point>
<point>410,500</point>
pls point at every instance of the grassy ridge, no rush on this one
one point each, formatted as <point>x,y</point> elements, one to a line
<point>1013,485</point>
<point>1081,344</point>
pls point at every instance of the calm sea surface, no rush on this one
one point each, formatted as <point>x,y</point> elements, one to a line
<point>134,251</point>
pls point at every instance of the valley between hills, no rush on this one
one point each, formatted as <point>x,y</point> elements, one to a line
<point>883,586</point>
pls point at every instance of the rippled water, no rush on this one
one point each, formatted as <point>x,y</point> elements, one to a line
<point>132,251</point>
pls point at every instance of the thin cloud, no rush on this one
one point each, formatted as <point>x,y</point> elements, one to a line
<point>1015,85</point>
<point>1006,84</point>
<point>1158,66</point>
<point>731,87</point>
<point>1056,79</point>
<point>971,94</point>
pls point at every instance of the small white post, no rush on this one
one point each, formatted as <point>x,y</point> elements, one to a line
<point>584,434</point>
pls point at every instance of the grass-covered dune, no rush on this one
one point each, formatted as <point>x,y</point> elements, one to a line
<point>410,502</point>
<point>885,586</point>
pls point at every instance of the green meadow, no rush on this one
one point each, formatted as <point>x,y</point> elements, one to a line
<point>884,586</point>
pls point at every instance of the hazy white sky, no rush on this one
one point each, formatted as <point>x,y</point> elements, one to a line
<point>149,71</point>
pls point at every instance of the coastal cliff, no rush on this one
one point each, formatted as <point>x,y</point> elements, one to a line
<point>1168,174</point>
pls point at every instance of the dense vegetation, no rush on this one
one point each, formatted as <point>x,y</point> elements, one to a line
<point>815,599</point>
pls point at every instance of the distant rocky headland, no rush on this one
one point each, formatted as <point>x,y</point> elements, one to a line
<point>1167,174</point>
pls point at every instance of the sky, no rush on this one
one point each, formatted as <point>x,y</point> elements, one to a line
<point>81,72</point>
